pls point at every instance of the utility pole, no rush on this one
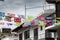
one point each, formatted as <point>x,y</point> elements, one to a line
<point>25,8</point>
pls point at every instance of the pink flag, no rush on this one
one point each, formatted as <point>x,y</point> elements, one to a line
<point>41,18</point>
<point>34,23</point>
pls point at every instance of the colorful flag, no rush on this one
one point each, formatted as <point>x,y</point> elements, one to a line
<point>41,18</point>
<point>31,18</point>
<point>37,20</point>
<point>27,23</point>
<point>2,14</point>
<point>18,23</point>
<point>42,23</point>
<point>0,18</point>
<point>1,23</point>
<point>26,20</point>
<point>11,14</point>
<point>8,18</point>
<point>47,21</point>
<point>16,19</point>
<point>34,23</point>
<point>24,25</point>
<point>9,24</point>
<point>21,16</point>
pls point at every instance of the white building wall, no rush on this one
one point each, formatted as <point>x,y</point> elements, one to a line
<point>41,34</point>
<point>10,38</point>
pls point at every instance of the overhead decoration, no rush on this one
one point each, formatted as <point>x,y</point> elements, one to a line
<point>34,22</point>
<point>26,24</point>
<point>41,18</point>
<point>8,18</point>
<point>42,23</point>
<point>2,23</point>
<point>47,21</point>
<point>21,16</point>
<point>0,18</point>
<point>26,20</point>
<point>9,24</point>
<point>30,18</point>
<point>11,15</point>
<point>16,19</point>
<point>2,14</point>
<point>37,20</point>
<point>18,23</point>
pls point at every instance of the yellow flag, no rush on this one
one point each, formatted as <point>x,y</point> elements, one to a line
<point>18,23</point>
<point>42,23</point>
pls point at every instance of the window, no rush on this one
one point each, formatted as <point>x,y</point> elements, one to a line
<point>26,34</point>
<point>20,36</point>
<point>36,34</point>
<point>41,28</point>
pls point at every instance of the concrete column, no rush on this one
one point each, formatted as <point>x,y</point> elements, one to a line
<point>41,33</point>
<point>58,34</point>
<point>22,35</point>
<point>31,33</point>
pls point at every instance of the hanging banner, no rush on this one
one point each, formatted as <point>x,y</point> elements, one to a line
<point>21,16</point>
<point>2,14</point>
<point>0,18</point>
<point>42,23</point>
<point>34,23</point>
<point>24,25</point>
<point>37,20</point>
<point>11,15</point>
<point>41,18</point>
<point>26,20</point>
<point>16,19</point>
<point>9,24</point>
<point>30,18</point>
<point>18,23</point>
<point>8,18</point>
<point>27,23</point>
<point>2,23</point>
<point>47,21</point>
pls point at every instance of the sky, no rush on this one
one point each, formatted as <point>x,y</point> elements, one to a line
<point>33,7</point>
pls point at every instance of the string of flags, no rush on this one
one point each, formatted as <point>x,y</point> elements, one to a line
<point>30,20</point>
